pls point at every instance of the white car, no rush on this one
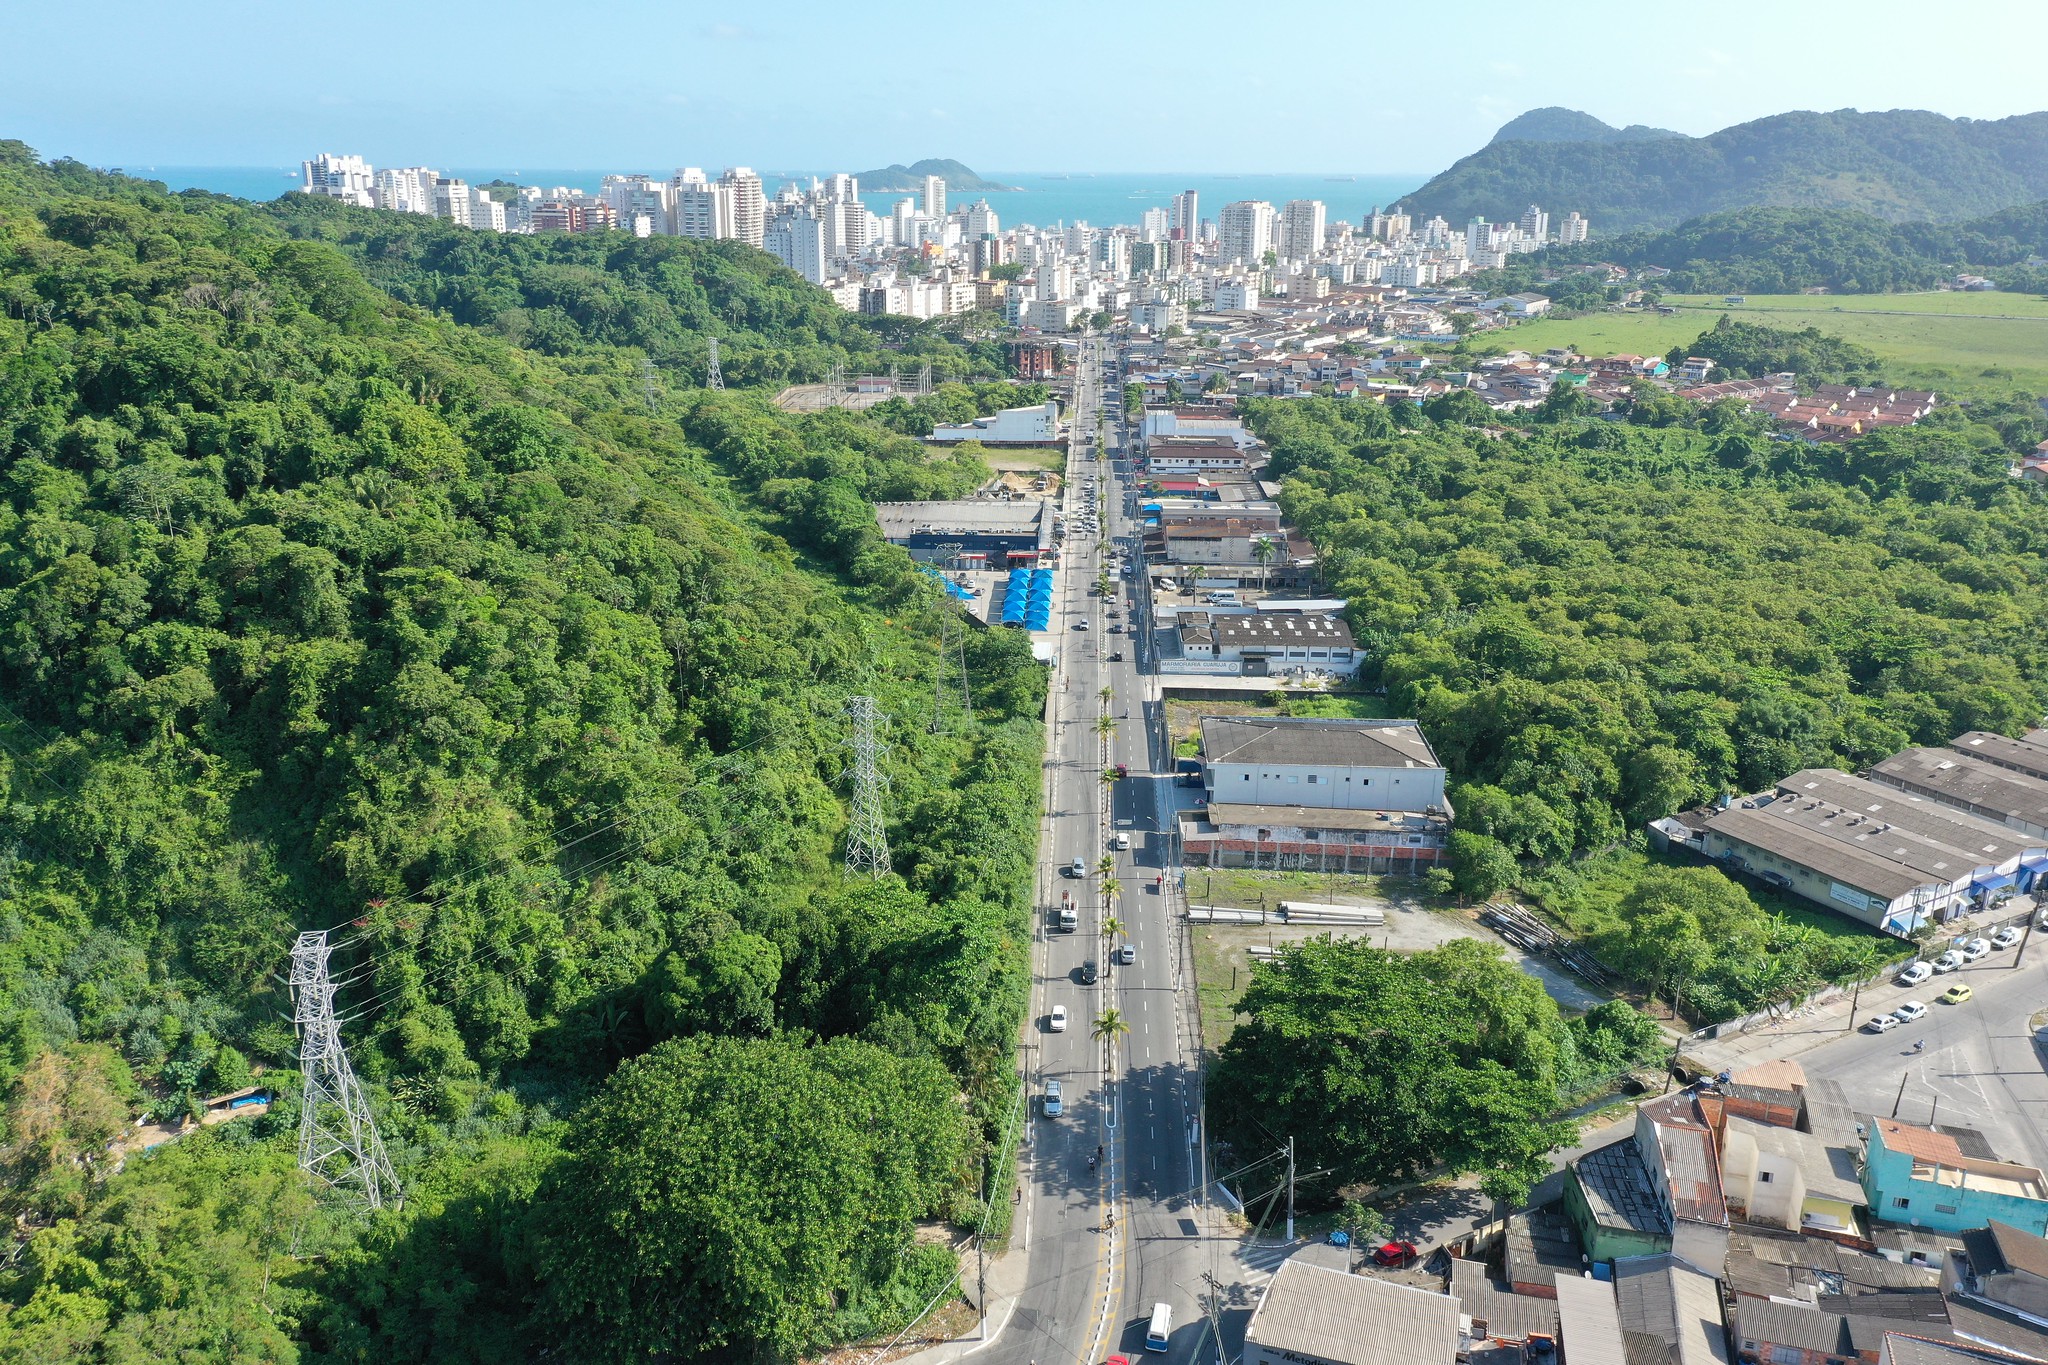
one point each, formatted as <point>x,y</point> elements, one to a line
<point>2008,937</point>
<point>1910,1012</point>
<point>1914,974</point>
<point>1975,948</point>
<point>1058,1020</point>
<point>1949,961</point>
<point>1883,1023</point>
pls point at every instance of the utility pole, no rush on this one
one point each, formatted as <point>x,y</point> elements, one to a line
<point>1899,1098</point>
<point>1855,997</point>
<point>980,1261</point>
<point>1290,1187</point>
<point>713,379</point>
<point>867,842</point>
<point>338,1142</point>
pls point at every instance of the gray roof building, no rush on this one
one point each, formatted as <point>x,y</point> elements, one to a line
<point>1278,740</point>
<point>1670,1312</point>
<point>1970,784</point>
<point>1310,1314</point>
<point>2028,754</point>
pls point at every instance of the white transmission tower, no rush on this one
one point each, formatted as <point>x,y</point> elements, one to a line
<point>867,843</point>
<point>712,378</point>
<point>338,1140</point>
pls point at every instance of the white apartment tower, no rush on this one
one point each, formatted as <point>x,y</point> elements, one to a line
<point>407,190</point>
<point>982,221</point>
<point>1301,228</point>
<point>347,178</point>
<point>1152,227</point>
<point>486,213</point>
<point>1573,230</point>
<point>1186,215</point>
<point>934,197</point>
<point>1244,231</point>
<point>749,206</point>
<point>797,239</point>
<point>642,204</point>
<point>452,200</point>
<point>698,208</point>
<point>1536,224</point>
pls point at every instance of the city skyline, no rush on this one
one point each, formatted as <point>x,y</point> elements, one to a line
<point>799,89</point>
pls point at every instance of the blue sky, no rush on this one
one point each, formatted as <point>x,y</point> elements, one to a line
<point>1194,85</point>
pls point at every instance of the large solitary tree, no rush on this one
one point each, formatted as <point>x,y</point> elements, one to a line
<point>723,1194</point>
<point>1383,1065</point>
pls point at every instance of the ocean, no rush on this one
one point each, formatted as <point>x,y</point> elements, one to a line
<point>1043,200</point>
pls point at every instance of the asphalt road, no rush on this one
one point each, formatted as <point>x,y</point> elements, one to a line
<point>1981,1067</point>
<point>1092,1281</point>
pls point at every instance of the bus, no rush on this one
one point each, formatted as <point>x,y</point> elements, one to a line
<point>1161,1327</point>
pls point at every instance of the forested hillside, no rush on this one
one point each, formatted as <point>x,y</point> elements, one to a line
<point>1601,623</point>
<point>319,610</point>
<point>1785,250</point>
<point>1900,165</point>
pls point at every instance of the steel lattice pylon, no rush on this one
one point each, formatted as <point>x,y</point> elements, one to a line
<point>338,1140</point>
<point>867,843</point>
<point>712,378</point>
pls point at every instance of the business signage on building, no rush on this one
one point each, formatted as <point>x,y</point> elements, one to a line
<point>1855,900</point>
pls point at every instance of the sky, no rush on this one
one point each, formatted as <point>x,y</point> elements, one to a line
<point>1056,85</point>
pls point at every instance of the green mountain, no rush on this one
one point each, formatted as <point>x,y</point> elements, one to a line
<point>901,179</point>
<point>1554,123</point>
<point>1900,165</point>
<point>358,573</point>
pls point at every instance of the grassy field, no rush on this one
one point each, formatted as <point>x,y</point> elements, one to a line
<point>1961,344</point>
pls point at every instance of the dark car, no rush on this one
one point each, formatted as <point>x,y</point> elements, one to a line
<point>1088,972</point>
<point>1116,656</point>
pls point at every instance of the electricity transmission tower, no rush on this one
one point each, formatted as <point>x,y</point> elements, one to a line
<point>647,384</point>
<point>924,380</point>
<point>338,1140</point>
<point>712,378</point>
<point>867,843</point>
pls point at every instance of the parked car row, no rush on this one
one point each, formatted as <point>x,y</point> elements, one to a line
<point>1960,956</point>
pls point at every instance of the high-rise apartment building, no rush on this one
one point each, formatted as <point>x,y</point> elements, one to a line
<point>641,203</point>
<point>797,239</point>
<point>749,206</point>
<point>934,197</point>
<point>486,213</point>
<point>451,200</point>
<point>1185,216</point>
<point>982,220</point>
<point>1536,224</point>
<point>406,190</point>
<point>1152,226</point>
<point>1573,230</point>
<point>1245,231</point>
<point>1301,228</point>
<point>347,178</point>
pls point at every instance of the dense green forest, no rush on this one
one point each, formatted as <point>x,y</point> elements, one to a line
<point>1601,622</point>
<point>323,605</point>
<point>1901,165</point>
<point>1785,250</point>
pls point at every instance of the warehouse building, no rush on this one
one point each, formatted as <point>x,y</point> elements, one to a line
<point>1966,782</point>
<point>992,533</point>
<point>1890,858</point>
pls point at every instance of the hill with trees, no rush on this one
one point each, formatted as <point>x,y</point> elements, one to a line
<point>320,608</point>
<point>1899,165</point>
<point>1554,123</point>
<point>898,178</point>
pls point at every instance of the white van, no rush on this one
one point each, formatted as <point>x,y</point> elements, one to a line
<point>1160,1328</point>
<point>1223,597</point>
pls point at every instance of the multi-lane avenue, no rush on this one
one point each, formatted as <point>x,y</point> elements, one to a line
<point>1106,1238</point>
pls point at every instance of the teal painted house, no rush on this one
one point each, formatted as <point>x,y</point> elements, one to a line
<point>1922,1177</point>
